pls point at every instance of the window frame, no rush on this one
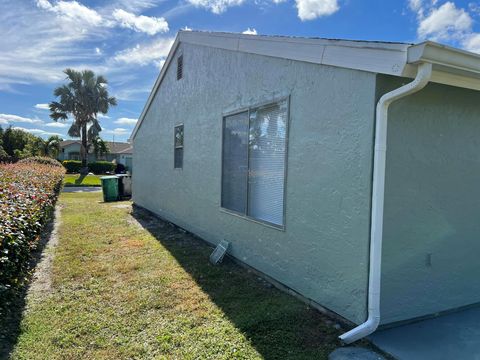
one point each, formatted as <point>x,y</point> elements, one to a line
<point>256,107</point>
<point>175,147</point>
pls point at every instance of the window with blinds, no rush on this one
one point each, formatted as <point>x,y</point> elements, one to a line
<point>254,161</point>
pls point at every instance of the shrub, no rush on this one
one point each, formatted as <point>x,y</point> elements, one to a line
<point>72,166</point>
<point>120,169</point>
<point>98,167</point>
<point>101,167</point>
<point>41,160</point>
<point>28,192</point>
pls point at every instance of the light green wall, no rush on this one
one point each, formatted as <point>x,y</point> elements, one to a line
<point>432,202</point>
<point>323,254</point>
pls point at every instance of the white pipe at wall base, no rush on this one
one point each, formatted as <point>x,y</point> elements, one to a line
<point>424,73</point>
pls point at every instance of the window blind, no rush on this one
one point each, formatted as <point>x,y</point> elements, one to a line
<point>235,162</point>
<point>267,149</point>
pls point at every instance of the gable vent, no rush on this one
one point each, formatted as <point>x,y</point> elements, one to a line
<point>179,67</point>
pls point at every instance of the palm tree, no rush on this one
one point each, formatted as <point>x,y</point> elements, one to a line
<point>100,147</point>
<point>83,97</point>
<point>52,146</point>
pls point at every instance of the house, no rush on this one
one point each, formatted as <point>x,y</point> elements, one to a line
<point>121,152</point>
<point>278,145</point>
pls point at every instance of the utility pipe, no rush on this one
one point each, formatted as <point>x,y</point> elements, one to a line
<point>424,73</point>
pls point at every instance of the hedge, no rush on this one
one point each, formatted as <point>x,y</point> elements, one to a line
<point>101,167</point>
<point>98,167</point>
<point>28,192</point>
<point>41,160</point>
<point>72,166</point>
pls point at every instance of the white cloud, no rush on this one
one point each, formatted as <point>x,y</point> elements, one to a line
<point>186,28</point>
<point>216,6</point>
<point>444,23</point>
<point>44,4</point>
<point>312,9</point>
<point>73,11</point>
<point>415,5</point>
<point>472,42</point>
<point>42,106</point>
<point>38,132</point>
<point>152,53</point>
<point>101,116</point>
<point>57,124</point>
<point>146,24</point>
<point>125,121</point>
<point>117,131</point>
<point>133,94</point>
<point>10,118</point>
<point>98,51</point>
<point>249,31</point>
<point>41,44</point>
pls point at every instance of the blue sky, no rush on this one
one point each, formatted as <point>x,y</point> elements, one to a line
<point>128,40</point>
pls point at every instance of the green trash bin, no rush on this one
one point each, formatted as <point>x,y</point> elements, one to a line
<point>110,188</point>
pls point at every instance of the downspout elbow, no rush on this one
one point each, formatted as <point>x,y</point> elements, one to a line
<point>365,329</point>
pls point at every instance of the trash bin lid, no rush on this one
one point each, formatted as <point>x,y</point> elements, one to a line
<point>109,177</point>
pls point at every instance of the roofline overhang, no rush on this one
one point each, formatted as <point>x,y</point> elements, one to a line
<point>450,66</point>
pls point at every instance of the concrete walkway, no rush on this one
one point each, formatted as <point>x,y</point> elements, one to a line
<point>447,337</point>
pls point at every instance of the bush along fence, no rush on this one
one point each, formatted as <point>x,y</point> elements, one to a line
<point>28,192</point>
<point>98,167</point>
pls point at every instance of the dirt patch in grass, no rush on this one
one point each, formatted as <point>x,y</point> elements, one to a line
<point>42,276</point>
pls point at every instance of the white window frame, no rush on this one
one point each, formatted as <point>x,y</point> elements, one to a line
<point>245,215</point>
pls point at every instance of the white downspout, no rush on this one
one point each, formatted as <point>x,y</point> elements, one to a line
<point>424,73</point>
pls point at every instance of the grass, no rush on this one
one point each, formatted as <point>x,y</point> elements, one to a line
<point>128,286</point>
<point>82,180</point>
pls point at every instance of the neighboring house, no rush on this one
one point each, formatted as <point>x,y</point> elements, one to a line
<point>278,146</point>
<point>119,151</point>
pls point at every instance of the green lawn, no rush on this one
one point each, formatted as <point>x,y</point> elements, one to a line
<point>128,286</point>
<point>82,180</point>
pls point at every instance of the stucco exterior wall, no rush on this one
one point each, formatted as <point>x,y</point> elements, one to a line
<point>432,202</point>
<point>323,252</point>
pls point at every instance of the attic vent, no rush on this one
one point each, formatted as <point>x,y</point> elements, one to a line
<point>179,67</point>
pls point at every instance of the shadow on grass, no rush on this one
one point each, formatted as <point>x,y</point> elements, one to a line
<point>13,301</point>
<point>278,325</point>
<point>79,180</point>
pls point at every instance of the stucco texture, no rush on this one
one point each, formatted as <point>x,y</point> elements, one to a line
<point>323,252</point>
<point>432,202</point>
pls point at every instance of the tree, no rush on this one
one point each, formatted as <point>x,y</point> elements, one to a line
<point>100,147</point>
<point>15,139</point>
<point>83,97</point>
<point>51,146</point>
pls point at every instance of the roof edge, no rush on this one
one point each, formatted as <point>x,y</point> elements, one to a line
<point>451,66</point>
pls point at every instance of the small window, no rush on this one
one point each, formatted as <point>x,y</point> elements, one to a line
<point>178,147</point>
<point>179,67</point>
<point>254,162</point>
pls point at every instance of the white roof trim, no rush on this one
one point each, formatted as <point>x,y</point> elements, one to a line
<point>451,66</point>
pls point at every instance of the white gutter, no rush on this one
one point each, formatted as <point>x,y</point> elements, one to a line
<point>424,73</point>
